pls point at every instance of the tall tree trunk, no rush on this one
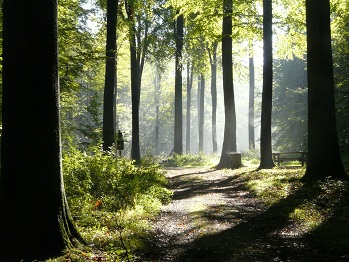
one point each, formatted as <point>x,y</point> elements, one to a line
<point>213,62</point>
<point>135,83</point>
<point>201,114</point>
<point>35,222</point>
<point>251,138</point>
<point>266,161</point>
<point>229,139</point>
<point>109,101</point>
<point>189,88</point>
<point>135,98</point>
<point>157,111</point>
<point>324,158</point>
<point>178,126</point>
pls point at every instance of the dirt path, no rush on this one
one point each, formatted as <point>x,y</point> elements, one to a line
<point>213,217</point>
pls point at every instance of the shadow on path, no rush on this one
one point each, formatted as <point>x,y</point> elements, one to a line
<point>213,217</point>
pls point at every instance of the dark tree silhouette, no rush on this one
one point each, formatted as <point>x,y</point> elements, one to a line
<point>324,158</point>
<point>229,139</point>
<point>178,125</point>
<point>35,222</point>
<point>267,93</point>
<point>135,83</point>
<point>109,101</point>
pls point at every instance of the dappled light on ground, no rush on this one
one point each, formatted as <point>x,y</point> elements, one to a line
<point>249,215</point>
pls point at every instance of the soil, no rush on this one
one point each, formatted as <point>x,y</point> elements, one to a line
<point>213,217</point>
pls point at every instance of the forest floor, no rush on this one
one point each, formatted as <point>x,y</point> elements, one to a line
<point>213,216</point>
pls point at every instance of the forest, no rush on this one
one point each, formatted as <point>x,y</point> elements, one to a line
<point>174,130</point>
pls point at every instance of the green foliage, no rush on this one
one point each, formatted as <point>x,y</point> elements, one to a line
<point>111,201</point>
<point>190,160</point>
<point>290,106</point>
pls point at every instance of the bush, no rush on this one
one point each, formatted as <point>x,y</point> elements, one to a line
<point>189,160</point>
<point>112,200</point>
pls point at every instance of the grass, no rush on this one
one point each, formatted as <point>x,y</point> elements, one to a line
<point>319,210</point>
<point>190,160</point>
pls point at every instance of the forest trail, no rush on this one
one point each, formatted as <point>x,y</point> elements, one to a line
<point>213,217</point>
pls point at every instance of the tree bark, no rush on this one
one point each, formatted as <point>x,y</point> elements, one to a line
<point>251,138</point>
<point>213,62</point>
<point>323,151</point>
<point>35,221</point>
<point>178,125</point>
<point>109,101</point>
<point>201,114</point>
<point>266,161</point>
<point>157,111</point>
<point>189,88</point>
<point>135,83</point>
<point>229,139</point>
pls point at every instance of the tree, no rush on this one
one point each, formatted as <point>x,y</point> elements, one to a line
<point>267,93</point>
<point>229,139</point>
<point>36,223</point>
<point>178,125</point>
<point>189,88</point>
<point>109,101</point>
<point>213,63</point>
<point>323,158</point>
<point>251,139</point>
<point>201,112</point>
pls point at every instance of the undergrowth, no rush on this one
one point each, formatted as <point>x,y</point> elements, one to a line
<point>111,201</point>
<point>190,160</point>
<point>319,210</point>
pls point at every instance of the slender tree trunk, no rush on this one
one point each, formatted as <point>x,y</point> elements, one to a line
<point>109,101</point>
<point>324,158</point>
<point>266,161</point>
<point>189,88</point>
<point>229,139</point>
<point>213,61</point>
<point>251,138</point>
<point>178,126</point>
<point>202,114</point>
<point>135,97</point>
<point>157,112</point>
<point>35,221</point>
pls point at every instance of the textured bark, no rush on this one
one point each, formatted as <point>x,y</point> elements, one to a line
<point>266,161</point>
<point>251,138</point>
<point>201,114</point>
<point>109,101</point>
<point>323,151</point>
<point>35,222</point>
<point>229,139</point>
<point>178,125</point>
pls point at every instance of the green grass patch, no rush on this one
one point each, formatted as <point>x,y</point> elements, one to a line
<point>190,160</point>
<point>319,210</point>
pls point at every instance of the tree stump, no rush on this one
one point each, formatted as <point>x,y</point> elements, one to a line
<point>235,160</point>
